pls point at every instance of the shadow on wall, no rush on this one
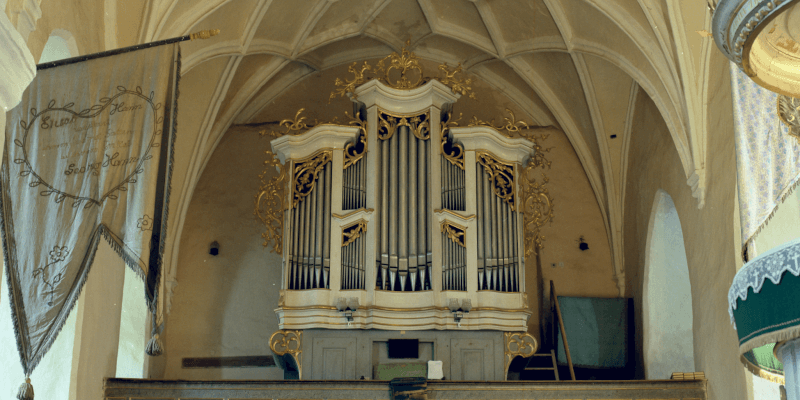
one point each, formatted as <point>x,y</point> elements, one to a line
<point>667,306</point>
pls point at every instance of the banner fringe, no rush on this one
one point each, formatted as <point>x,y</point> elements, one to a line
<point>789,333</point>
<point>786,193</point>
<point>10,279</point>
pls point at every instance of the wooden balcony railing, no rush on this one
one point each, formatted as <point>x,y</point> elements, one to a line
<point>129,389</point>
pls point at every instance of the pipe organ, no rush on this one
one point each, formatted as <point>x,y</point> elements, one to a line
<point>400,213</point>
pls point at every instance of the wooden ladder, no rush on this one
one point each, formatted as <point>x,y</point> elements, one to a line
<point>552,356</point>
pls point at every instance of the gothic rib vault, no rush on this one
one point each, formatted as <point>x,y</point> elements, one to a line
<point>576,64</point>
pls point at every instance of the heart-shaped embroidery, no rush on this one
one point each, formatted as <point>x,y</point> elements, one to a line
<point>88,146</point>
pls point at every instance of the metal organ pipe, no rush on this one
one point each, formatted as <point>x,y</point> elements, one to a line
<point>310,241</point>
<point>498,250</point>
<point>402,208</point>
<point>404,205</point>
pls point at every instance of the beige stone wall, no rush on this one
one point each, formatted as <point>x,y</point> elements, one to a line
<point>223,305</point>
<point>654,165</point>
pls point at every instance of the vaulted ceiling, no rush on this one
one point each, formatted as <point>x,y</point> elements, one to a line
<point>574,64</point>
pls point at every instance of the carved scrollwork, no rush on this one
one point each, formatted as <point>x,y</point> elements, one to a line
<point>305,174</point>
<point>457,84</point>
<point>789,113</point>
<point>293,126</point>
<point>452,151</point>
<point>343,87</point>
<point>356,150</point>
<point>511,125</point>
<point>518,344</point>
<point>288,342</point>
<point>404,63</point>
<point>412,75</point>
<point>501,176</point>
<point>352,232</point>
<point>270,202</point>
<point>455,232</point>
<point>537,206</point>
<point>388,124</point>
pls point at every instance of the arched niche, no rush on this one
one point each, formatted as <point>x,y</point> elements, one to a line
<point>667,295</point>
<point>61,44</point>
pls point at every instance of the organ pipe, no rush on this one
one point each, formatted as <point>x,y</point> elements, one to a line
<point>404,205</point>
<point>498,251</point>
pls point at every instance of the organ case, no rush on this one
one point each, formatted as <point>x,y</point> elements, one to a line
<point>401,213</point>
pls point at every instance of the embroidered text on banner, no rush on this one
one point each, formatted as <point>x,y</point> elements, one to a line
<point>88,155</point>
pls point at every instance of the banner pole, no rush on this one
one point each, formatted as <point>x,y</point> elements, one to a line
<point>205,34</point>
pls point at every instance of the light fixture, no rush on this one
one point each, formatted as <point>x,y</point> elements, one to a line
<point>459,310</point>
<point>582,245</point>
<point>347,306</point>
<point>213,249</point>
<point>760,38</point>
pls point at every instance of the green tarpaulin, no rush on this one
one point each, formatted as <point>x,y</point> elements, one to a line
<point>597,331</point>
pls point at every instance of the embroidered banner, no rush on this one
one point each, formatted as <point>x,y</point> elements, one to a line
<point>88,155</point>
<point>767,157</point>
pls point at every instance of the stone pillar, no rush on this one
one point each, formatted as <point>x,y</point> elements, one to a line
<point>98,323</point>
<point>17,70</point>
<point>789,355</point>
<point>17,67</point>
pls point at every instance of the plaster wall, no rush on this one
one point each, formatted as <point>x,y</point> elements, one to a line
<point>133,328</point>
<point>223,305</point>
<point>654,165</point>
<point>667,296</point>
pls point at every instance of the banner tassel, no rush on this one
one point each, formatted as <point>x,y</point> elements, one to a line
<point>25,390</point>
<point>154,347</point>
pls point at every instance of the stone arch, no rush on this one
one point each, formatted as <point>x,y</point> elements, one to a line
<point>667,295</point>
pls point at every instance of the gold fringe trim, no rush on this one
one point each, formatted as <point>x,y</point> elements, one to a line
<point>788,333</point>
<point>761,373</point>
<point>786,193</point>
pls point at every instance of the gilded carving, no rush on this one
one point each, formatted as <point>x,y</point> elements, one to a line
<point>789,113</point>
<point>356,150</point>
<point>288,342</point>
<point>406,63</point>
<point>537,208</point>
<point>452,151</point>
<point>353,232</point>
<point>293,126</point>
<point>511,125</point>
<point>270,202</point>
<point>417,124</point>
<point>455,232</point>
<point>518,344</point>
<point>458,85</point>
<point>501,176</point>
<point>305,174</point>
<point>349,86</point>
